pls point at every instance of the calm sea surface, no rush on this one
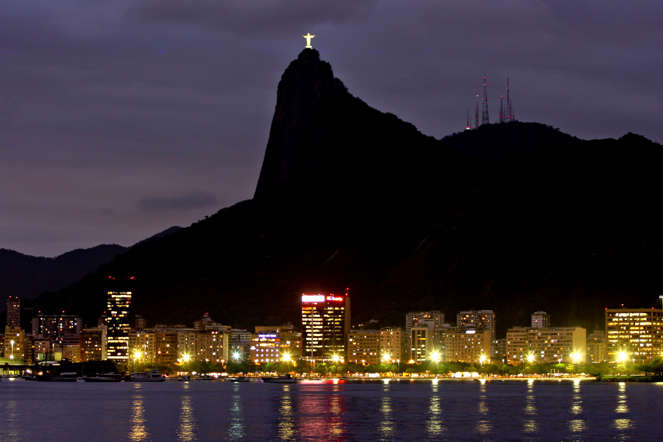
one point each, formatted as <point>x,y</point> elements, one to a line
<point>33,411</point>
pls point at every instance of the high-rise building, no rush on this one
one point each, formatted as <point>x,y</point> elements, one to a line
<point>265,347</point>
<point>165,343</point>
<point>14,344</point>
<point>421,343</point>
<point>540,320</point>
<point>119,294</point>
<point>432,320</point>
<point>478,320</point>
<point>596,347</point>
<point>466,345</point>
<point>290,340</point>
<point>142,346</point>
<point>240,341</point>
<point>61,329</point>
<point>391,344</point>
<point>550,344</point>
<point>637,332</point>
<point>93,344</point>
<point>325,324</point>
<point>364,347</point>
<point>13,312</point>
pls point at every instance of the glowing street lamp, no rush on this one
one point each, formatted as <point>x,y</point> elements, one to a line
<point>335,358</point>
<point>435,356</point>
<point>11,356</point>
<point>237,356</point>
<point>576,357</point>
<point>186,357</point>
<point>482,359</point>
<point>137,355</point>
<point>285,357</point>
<point>386,357</point>
<point>530,357</point>
<point>622,357</point>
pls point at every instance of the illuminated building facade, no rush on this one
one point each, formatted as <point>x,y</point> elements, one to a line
<point>14,344</point>
<point>433,320</point>
<point>142,346</point>
<point>421,343</point>
<point>391,344</point>
<point>13,305</point>
<point>638,332</point>
<point>62,328</point>
<point>551,344</point>
<point>540,320</point>
<point>596,347</point>
<point>290,339</point>
<point>118,308</point>
<point>165,343</point>
<point>478,320</point>
<point>212,345</point>
<point>325,324</point>
<point>364,347</point>
<point>240,341</point>
<point>93,344</point>
<point>466,345</point>
<point>265,347</point>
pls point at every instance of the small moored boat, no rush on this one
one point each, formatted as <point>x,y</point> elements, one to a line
<point>103,377</point>
<point>287,379</point>
<point>152,376</point>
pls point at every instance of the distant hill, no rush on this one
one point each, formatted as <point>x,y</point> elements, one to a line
<point>516,217</point>
<point>29,276</point>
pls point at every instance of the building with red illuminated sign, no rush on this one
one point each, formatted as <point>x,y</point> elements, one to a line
<point>325,325</point>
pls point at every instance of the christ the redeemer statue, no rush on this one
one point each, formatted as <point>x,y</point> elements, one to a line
<point>308,36</point>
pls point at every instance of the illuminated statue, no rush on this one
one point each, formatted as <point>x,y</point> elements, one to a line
<point>308,38</point>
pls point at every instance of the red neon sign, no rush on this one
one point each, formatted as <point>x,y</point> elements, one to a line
<point>335,298</point>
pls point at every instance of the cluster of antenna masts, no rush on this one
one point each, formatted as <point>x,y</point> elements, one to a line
<point>506,106</point>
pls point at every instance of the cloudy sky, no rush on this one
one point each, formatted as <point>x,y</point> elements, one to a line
<point>121,118</point>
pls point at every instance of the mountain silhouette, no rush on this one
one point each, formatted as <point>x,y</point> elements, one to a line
<point>516,217</point>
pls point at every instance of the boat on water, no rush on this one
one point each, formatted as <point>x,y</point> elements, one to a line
<point>239,379</point>
<point>62,377</point>
<point>152,376</point>
<point>286,379</point>
<point>103,377</point>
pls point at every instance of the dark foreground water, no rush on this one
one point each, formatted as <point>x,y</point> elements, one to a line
<point>31,411</point>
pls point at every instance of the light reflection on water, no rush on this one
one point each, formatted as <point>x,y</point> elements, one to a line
<point>11,433</point>
<point>434,425</point>
<point>236,429</point>
<point>387,423</point>
<point>483,425</point>
<point>576,423</point>
<point>622,422</point>
<point>187,429</point>
<point>286,419</point>
<point>138,429</point>
<point>396,411</point>
<point>529,424</point>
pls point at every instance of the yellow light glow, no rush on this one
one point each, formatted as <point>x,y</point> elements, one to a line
<point>308,37</point>
<point>386,357</point>
<point>237,355</point>
<point>285,357</point>
<point>335,358</point>
<point>530,357</point>
<point>576,357</point>
<point>11,356</point>
<point>137,355</point>
<point>483,358</point>
<point>622,356</point>
<point>186,357</point>
<point>435,356</point>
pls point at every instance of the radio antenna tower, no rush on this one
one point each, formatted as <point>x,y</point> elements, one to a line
<point>476,111</point>
<point>510,116</point>
<point>501,108</point>
<point>467,124</point>
<point>484,101</point>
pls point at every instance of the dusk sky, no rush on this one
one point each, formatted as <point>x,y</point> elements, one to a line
<point>121,118</point>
